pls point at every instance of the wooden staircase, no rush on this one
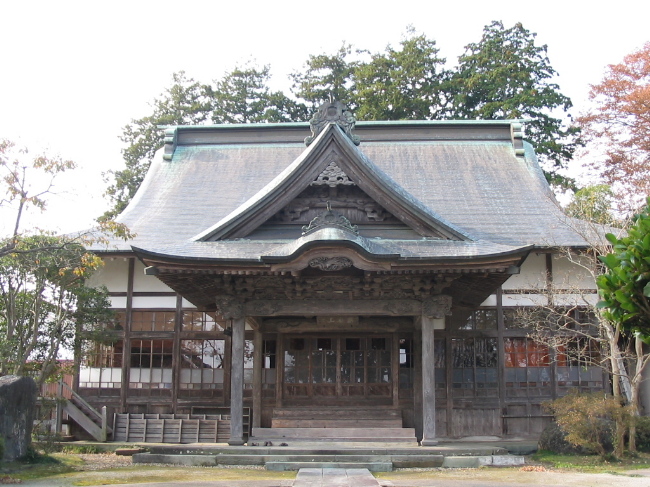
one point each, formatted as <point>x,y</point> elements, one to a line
<point>340,424</point>
<point>91,420</point>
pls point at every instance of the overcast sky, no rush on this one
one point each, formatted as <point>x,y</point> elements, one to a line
<point>75,72</point>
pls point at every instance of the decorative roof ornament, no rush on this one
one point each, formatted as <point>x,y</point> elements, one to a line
<point>332,176</point>
<point>332,112</point>
<point>330,218</point>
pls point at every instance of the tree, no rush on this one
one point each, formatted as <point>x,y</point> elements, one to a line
<point>43,300</point>
<point>593,204</point>
<point>240,96</point>
<point>405,84</point>
<point>507,76</point>
<point>326,76</point>
<point>625,286</point>
<point>20,192</point>
<point>243,96</point>
<point>43,297</point>
<point>571,321</point>
<point>618,126</point>
<point>185,102</point>
<point>503,76</point>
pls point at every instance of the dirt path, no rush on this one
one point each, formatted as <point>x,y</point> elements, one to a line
<point>114,470</point>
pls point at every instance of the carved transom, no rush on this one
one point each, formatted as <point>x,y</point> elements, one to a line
<point>332,176</point>
<point>372,286</point>
<point>330,263</point>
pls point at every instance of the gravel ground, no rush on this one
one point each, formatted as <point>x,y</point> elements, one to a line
<point>97,461</point>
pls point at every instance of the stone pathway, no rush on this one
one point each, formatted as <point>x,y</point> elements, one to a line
<point>335,477</point>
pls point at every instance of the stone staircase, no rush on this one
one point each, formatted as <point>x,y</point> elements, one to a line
<point>375,459</point>
<point>341,424</point>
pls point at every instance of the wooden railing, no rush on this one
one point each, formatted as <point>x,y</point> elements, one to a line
<point>84,414</point>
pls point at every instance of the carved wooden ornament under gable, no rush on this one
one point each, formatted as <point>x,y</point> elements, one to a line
<point>332,176</point>
<point>330,219</point>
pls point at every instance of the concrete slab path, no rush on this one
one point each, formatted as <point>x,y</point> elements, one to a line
<point>335,477</point>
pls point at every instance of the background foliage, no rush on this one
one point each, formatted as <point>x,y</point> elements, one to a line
<point>505,75</point>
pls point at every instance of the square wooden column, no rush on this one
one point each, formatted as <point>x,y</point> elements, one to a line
<point>433,316</point>
<point>232,309</point>
<point>237,383</point>
<point>258,369</point>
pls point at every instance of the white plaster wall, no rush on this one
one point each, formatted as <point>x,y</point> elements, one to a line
<point>118,302</point>
<point>114,275</point>
<point>569,274</point>
<point>518,299</point>
<point>144,283</point>
<point>532,274</point>
<point>580,299</point>
<point>154,302</point>
<point>491,301</point>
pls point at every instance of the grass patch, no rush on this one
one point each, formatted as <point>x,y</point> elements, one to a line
<point>141,474</point>
<point>592,463</point>
<point>41,466</point>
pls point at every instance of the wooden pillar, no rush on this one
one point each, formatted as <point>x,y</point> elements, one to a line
<point>126,343</point>
<point>176,358</point>
<point>417,378</point>
<point>428,384</point>
<point>258,369</point>
<point>232,309</point>
<point>433,316</point>
<point>394,373</point>
<point>279,369</point>
<point>237,383</point>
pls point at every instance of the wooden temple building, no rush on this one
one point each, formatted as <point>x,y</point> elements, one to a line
<point>330,279</point>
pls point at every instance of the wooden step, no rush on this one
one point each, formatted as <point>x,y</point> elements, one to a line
<point>339,417</point>
<point>336,423</point>
<point>315,413</point>
<point>306,435</point>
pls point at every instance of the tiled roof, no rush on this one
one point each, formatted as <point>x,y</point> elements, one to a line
<point>472,177</point>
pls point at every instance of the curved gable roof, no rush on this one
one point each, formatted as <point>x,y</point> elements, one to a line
<point>331,145</point>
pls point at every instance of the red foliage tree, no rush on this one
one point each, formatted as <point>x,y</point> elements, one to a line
<point>618,127</point>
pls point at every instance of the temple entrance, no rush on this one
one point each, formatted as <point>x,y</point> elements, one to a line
<point>337,368</point>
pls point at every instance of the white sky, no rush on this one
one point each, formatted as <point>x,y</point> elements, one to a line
<point>75,72</point>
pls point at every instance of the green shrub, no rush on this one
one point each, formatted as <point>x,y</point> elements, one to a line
<point>79,449</point>
<point>2,448</point>
<point>643,433</point>
<point>591,421</point>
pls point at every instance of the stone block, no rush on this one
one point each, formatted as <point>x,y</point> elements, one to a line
<point>17,406</point>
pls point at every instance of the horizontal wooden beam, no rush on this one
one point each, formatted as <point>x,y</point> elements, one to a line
<point>335,307</point>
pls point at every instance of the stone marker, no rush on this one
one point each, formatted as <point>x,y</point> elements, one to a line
<point>17,404</point>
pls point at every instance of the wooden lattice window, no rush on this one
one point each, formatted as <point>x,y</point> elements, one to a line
<point>474,367</point>
<point>527,368</point>
<point>202,363</point>
<point>199,321</point>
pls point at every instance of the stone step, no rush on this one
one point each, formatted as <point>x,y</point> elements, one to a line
<point>372,467</point>
<point>336,423</point>
<point>383,434</point>
<point>482,460</point>
<point>244,458</point>
<point>349,477</point>
<point>333,449</point>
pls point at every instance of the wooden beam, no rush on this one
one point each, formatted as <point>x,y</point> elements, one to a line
<point>334,307</point>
